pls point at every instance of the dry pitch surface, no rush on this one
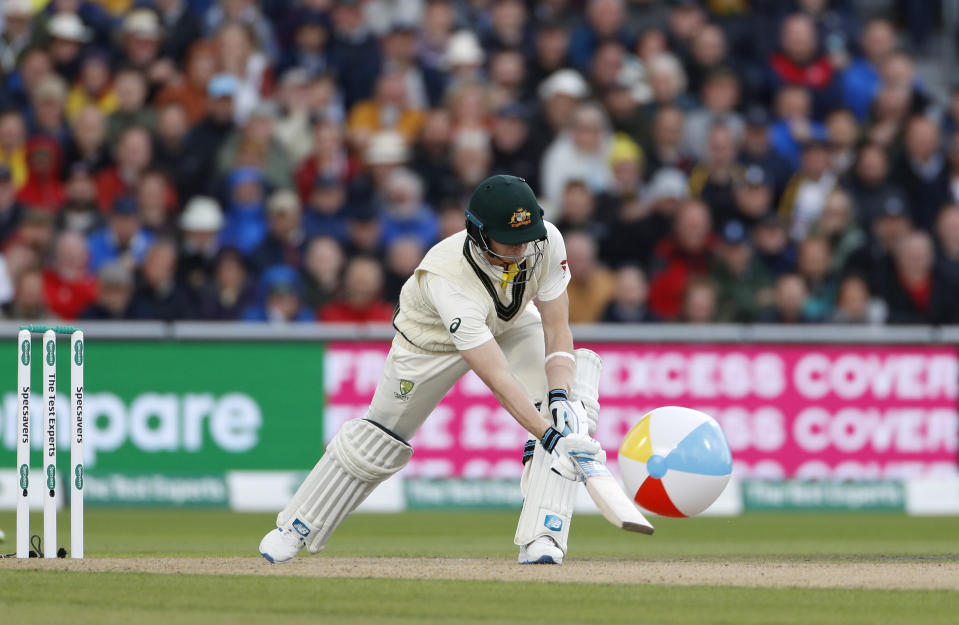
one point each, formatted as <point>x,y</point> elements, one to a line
<point>897,574</point>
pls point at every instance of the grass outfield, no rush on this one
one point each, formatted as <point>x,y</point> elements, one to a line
<point>52,596</point>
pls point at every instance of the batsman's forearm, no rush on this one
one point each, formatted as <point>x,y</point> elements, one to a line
<point>512,397</point>
<point>560,370</point>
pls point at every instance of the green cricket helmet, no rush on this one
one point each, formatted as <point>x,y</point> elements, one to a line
<point>504,209</point>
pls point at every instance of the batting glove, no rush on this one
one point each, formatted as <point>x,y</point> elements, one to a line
<point>568,416</point>
<point>563,447</point>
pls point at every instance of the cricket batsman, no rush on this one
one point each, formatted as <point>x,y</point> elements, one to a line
<point>469,305</point>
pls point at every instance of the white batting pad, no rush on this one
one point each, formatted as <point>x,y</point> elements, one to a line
<point>357,459</point>
<point>547,504</point>
<point>586,384</point>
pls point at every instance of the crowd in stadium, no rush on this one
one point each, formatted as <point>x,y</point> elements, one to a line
<point>292,160</point>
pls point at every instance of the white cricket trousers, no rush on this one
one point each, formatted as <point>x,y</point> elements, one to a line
<point>403,409</point>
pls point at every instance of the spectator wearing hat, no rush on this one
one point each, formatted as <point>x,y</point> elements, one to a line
<point>325,213</point>
<point>772,246</point>
<point>360,299</point>
<point>666,147</point>
<point>463,60</point>
<point>68,35</point>
<point>743,283</point>
<point>43,189</point>
<point>923,171</point>
<point>321,270</point>
<point>630,299</point>
<point>280,298</point>
<point>285,239</point>
<point>16,33</point>
<point>11,211</point>
<point>753,196</point>
<point>182,28</point>
<point>245,215</point>
<point>205,139</point>
<point>916,292</point>
<point>141,37</point>
<point>686,253</point>
<point>559,96</point>
<point>581,152</point>
<point>68,285</point>
<point>46,115</point>
<point>13,146</point>
<point>308,47</point>
<point>132,107</point>
<point>94,86</point>
<point>714,180</point>
<point>626,161</point>
<point>756,150</point>
<point>132,156</point>
<point>805,195</point>
<point>114,295</point>
<point>385,152</point>
<point>122,240</point>
<point>200,227</point>
<point>231,291</point>
<point>389,109</point>
<point>159,295</point>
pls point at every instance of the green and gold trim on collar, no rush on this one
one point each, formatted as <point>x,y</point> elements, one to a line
<point>504,311</point>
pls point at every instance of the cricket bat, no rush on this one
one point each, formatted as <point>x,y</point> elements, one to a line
<point>609,497</point>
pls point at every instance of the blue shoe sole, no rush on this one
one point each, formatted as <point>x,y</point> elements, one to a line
<point>268,558</point>
<point>542,560</point>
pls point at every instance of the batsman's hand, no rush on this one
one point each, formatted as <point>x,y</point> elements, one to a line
<point>569,416</point>
<point>563,447</point>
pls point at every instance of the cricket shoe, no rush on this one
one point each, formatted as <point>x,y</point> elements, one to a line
<point>543,550</point>
<point>281,545</point>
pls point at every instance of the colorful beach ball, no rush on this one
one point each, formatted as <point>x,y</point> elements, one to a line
<point>675,461</point>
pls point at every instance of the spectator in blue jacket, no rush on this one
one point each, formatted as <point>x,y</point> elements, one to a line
<point>123,238</point>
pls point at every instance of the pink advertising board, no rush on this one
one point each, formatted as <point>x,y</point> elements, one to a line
<point>812,412</point>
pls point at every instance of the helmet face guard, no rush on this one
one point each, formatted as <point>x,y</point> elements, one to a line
<point>526,263</point>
